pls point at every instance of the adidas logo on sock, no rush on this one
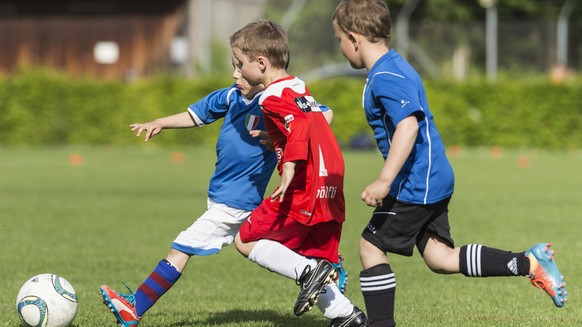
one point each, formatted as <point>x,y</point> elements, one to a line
<point>512,265</point>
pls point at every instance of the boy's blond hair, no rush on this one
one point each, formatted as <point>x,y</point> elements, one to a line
<point>370,18</point>
<point>263,38</point>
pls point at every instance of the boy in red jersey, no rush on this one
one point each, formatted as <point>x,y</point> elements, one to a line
<point>302,219</point>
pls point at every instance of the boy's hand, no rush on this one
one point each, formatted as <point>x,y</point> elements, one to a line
<point>286,177</point>
<point>375,192</point>
<point>265,140</point>
<point>151,129</point>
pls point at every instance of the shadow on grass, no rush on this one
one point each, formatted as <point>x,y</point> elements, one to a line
<point>258,317</point>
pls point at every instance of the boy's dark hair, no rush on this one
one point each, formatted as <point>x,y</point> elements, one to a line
<point>263,38</point>
<point>370,18</point>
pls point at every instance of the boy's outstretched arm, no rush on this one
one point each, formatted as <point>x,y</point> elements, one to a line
<point>402,143</point>
<point>153,128</point>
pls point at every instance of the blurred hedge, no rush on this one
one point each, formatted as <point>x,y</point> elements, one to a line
<point>39,107</point>
<point>528,113</point>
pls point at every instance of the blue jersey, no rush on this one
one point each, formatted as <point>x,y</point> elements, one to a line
<point>243,165</point>
<point>394,91</point>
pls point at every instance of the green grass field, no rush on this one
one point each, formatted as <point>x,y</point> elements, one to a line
<point>112,218</point>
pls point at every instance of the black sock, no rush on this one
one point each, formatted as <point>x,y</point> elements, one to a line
<point>480,261</point>
<point>379,287</point>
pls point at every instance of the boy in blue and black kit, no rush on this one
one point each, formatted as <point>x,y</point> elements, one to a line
<point>415,185</point>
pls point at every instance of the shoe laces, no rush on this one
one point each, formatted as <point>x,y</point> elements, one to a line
<point>129,297</point>
<point>299,281</point>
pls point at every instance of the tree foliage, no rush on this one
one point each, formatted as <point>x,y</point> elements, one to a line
<point>437,10</point>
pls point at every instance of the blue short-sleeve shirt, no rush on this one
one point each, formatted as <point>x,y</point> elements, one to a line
<point>243,165</point>
<point>393,92</point>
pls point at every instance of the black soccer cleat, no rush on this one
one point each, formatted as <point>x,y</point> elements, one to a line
<point>356,319</point>
<point>312,281</point>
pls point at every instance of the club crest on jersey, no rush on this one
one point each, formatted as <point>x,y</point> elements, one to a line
<point>307,103</point>
<point>251,122</point>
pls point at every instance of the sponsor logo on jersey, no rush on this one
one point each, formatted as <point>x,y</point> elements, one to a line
<point>251,122</point>
<point>326,192</point>
<point>403,103</point>
<point>307,103</point>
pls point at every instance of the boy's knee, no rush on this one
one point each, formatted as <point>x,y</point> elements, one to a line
<point>366,247</point>
<point>442,259</point>
<point>370,255</point>
<point>243,248</point>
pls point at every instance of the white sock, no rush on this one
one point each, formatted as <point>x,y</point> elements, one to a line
<point>332,303</point>
<point>280,259</point>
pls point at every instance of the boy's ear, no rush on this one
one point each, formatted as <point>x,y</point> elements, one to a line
<point>262,61</point>
<point>353,37</point>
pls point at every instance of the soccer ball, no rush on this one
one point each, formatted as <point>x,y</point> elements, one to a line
<point>46,300</point>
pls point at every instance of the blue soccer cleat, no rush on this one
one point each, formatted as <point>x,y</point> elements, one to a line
<point>544,273</point>
<point>341,279</point>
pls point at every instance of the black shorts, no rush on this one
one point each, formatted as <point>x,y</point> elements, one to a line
<point>397,226</point>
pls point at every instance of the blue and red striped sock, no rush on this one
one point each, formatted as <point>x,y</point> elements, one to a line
<point>157,284</point>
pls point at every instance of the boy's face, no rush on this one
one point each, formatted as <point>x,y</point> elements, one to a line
<point>348,48</point>
<point>249,70</point>
<point>246,89</point>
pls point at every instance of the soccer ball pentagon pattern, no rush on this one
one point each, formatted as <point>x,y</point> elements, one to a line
<point>47,300</point>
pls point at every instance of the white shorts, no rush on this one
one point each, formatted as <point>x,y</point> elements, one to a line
<point>216,228</point>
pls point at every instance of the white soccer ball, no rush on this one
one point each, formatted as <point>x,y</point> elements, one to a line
<point>47,300</point>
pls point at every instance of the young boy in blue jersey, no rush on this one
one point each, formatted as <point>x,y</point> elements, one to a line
<point>415,185</point>
<point>243,168</point>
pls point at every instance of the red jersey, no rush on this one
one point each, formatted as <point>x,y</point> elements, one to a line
<point>300,133</point>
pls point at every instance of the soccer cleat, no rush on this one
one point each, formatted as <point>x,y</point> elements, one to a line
<point>311,282</point>
<point>356,319</point>
<point>544,273</point>
<point>121,305</point>
<point>341,278</point>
